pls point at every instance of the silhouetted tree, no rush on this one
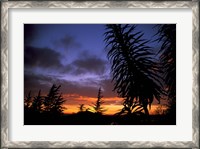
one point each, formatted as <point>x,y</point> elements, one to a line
<point>135,71</point>
<point>98,105</point>
<point>53,102</point>
<point>37,103</point>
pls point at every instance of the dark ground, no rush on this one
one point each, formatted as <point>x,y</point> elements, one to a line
<point>89,118</point>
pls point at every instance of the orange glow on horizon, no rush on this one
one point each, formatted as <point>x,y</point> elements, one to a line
<point>110,109</point>
<point>112,105</point>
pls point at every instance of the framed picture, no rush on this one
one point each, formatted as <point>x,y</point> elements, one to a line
<point>101,74</point>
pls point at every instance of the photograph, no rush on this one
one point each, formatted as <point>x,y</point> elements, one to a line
<point>99,74</point>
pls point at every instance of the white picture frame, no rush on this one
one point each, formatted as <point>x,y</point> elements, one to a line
<point>5,131</point>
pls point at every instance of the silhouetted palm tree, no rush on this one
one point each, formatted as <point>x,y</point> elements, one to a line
<point>135,71</point>
<point>167,35</point>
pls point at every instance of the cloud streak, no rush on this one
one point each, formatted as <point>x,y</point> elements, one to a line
<point>34,81</point>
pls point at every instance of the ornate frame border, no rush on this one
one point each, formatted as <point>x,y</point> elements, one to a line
<point>5,5</point>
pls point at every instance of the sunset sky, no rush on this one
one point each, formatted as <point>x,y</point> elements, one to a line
<point>73,56</point>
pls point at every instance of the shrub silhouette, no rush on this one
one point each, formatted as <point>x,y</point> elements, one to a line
<point>136,74</point>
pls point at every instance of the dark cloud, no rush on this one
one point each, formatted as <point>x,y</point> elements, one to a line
<point>89,65</point>
<point>48,59</point>
<point>41,57</point>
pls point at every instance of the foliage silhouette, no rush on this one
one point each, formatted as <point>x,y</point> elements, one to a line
<point>44,109</point>
<point>28,101</point>
<point>167,35</point>
<point>135,71</point>
<point>171,110</point>
<point>53,102</point>
<point>97,108</point>
<point>37,103</point>
<point>36,114</point>
<point>81,108</point>
<point>136,109</point>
